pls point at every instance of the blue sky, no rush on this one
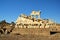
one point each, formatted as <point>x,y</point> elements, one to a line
<point>11,9</point>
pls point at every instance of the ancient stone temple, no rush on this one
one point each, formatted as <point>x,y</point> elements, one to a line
<point>31,21</point>
<point>33,24</point>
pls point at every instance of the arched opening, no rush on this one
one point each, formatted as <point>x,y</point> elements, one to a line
<point>4,29</point>
<point>1,32</point>
<point>8,32</point>
<point>51,33</point>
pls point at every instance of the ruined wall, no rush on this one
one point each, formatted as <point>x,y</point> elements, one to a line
<point>33,31</point>
<point>55,28</point>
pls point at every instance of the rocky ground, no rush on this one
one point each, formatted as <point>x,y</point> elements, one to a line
<point>30,37</point>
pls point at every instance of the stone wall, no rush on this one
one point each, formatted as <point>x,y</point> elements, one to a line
<point>33,31</point>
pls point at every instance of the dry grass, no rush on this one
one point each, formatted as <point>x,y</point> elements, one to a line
<point>29,37</point>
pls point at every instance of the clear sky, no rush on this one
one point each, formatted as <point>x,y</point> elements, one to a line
<point>11,9</point>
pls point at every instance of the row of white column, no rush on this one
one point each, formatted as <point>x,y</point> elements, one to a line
<point>30,26</point>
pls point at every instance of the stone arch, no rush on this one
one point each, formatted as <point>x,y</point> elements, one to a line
<point>1,31</point>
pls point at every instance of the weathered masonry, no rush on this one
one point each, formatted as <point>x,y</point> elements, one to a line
<point>33,24</point>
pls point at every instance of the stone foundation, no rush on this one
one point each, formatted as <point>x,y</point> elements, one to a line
<point>33,31</point>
